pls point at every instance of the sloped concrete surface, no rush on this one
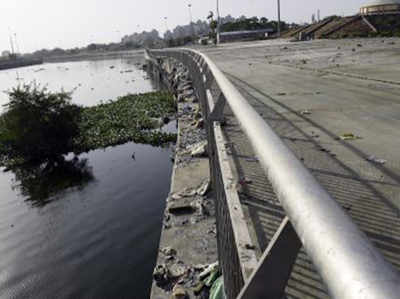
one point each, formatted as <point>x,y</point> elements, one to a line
<point>313,94</point>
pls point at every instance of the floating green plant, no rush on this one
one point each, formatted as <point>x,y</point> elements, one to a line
<point>40,126</point>
<point>129,118</point>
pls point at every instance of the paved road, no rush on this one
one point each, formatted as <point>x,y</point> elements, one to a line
<point>349,86</point>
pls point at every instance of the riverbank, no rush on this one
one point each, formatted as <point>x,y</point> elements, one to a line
<point>91,56</point>
<point>187,263</point>
<point>18,62</point>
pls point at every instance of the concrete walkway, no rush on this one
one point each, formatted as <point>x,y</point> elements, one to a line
<point>312,93</point>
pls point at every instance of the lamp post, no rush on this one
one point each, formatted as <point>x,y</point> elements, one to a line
<point>166,23</point>
<point>191,20</point>
<point>190,12</point>
<point>11,41</point>
<point>218,22</point>
<point>279,18</point>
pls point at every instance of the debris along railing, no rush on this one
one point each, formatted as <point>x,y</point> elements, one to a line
<point>237,258</point>
<point>349,264</point>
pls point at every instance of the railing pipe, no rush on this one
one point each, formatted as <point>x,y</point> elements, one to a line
<point>351,267</point>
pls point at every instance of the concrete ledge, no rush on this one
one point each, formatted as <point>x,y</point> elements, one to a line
<point>188,239</point>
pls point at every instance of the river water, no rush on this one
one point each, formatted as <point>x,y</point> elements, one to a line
<point>98,239</point>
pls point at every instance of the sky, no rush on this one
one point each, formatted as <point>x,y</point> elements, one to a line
<point>41,24</point>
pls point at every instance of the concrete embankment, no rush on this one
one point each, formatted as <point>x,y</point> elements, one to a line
<point>16,63</point>
<point>187,259</point>
<point>136,55</point>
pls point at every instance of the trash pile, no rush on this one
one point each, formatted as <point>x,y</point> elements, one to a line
<point>196,281</point>
<point>192,136</point>
<point>189,227</point>
<point>191,204</point>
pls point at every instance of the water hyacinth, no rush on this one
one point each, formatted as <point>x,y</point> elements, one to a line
<point>129,118</point>
<point>135,118</point>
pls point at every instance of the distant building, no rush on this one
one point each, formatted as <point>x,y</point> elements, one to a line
<point>380,7</point>
<point>244,35</point>
<point>5,53</point>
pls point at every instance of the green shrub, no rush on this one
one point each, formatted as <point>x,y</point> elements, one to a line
<point>37,125</point>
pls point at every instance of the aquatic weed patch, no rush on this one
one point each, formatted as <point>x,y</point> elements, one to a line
<point>39,131</point>
<point>129,118</point>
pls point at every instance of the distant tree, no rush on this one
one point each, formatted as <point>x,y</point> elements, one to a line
<point>213,27</point>
<point>57,52</point>
<point>92,47</point>
<point>253,20</point>
<point>73,51</point>
<point>253,23</point>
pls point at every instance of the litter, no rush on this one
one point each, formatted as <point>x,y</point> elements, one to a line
<point>252,159</point>
<point>349,136</point>
<point>305,112</point>
<point>199,149</point>
<point>160,274</point>
<point>204,188</point>
<point>213,276</point>
<point>210,268</point>
<point>168,251</point>
<point>198,288</point>
<point>376,160</point>
<point>245,181</point>
<point>176,271</point>
<point>178,293</point>
<point>217,289</point>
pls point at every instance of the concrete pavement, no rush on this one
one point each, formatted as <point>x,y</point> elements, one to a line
<point>311,94</point>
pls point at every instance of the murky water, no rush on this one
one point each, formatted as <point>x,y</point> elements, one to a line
<point>92,81</point>
<point>99,238</point>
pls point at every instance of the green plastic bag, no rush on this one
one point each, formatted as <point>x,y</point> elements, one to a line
<point>217,289</point>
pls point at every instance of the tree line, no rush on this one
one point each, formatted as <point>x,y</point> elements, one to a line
<point>178,36</point>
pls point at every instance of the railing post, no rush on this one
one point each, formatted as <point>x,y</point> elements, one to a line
<point>270,278</point>
<point>217,114</point>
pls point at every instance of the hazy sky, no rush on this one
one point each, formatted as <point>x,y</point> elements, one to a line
<point>69,23</point>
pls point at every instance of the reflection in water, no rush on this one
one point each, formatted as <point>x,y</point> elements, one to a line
<point>40,184</point>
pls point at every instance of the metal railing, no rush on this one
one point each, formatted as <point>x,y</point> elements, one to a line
<point>348,263</point>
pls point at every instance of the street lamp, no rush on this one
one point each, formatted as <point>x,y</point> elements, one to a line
<point>279,18</point>
<point>218,22</point>
<point>166,23</point>
<point>190,12</point>
<point>191,19</point>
